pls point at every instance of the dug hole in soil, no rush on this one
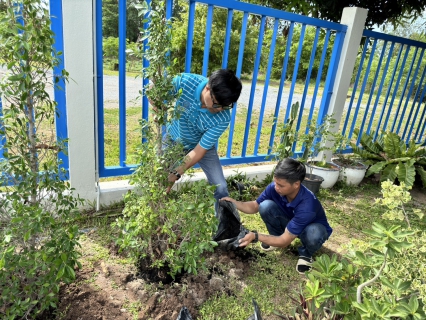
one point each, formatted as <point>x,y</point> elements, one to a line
<point>109,290</point>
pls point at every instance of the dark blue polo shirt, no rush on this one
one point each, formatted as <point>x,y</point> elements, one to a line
<point>302,211</point>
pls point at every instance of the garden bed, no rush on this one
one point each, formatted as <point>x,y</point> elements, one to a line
<point>109,286</point>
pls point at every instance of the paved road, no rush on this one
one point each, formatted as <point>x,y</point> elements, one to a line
<point>134,85</point>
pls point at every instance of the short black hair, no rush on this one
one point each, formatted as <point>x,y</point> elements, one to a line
<point>225,86</point>
<point>290,170</point>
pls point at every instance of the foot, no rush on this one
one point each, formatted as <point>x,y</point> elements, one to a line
<point>266,247</point>
<point>304,264</point>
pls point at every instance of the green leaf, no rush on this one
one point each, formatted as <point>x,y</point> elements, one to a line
<point>376,168</point>
<point>60,272</point>
<point>389,173</point>
<point>70,272</point>
<point>17,77</point>
<point>406,172</point>
<point>393,145</point>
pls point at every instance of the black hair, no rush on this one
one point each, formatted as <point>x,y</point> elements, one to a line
<point>290,170</point>
<point>225,86</point>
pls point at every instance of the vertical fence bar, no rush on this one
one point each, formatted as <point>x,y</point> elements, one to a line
<point>100,88</point>
<point>2,137</point>
<point>417,95</point>
<point>227,39</point>
<point>145,62</point>
<point>401,71</point>
<point>410,92</point>
<point>253,84</point>
<point>422,118</point>
<point>207,40</point>
<point>266,86</point>
<point>238,74</point>
<point>122,78</point>
<point>388,94</point>
<point>373,87</point>
<point>295,71</point>
<point>191,19</point>
<point>381,88</point>
<point>59,89</point>
<point>358,76</point>
<point>403,93</point>
<point>281,88</point>
<point>329,81</point>
<point>308,78</point>
<point>364,84</point>
<point>318,80</point>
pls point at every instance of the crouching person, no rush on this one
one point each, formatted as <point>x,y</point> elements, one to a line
<point>289,211</point>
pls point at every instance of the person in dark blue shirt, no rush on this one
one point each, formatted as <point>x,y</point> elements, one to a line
<point>289,211</point>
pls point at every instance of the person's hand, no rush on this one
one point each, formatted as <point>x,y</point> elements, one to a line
<point>248,238</point>
<point>228,199</point>
<point>172,178</point>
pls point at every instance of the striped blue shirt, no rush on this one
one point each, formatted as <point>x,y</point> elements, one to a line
<point>194,125</point>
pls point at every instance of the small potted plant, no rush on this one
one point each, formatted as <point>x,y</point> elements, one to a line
<point>320,138</point>
<point>314,142</point>
<point>352,170</point>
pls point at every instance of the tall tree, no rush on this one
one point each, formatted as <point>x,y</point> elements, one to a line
<point>110,19</point>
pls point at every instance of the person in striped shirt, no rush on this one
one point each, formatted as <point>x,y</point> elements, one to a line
<point>204,112</point>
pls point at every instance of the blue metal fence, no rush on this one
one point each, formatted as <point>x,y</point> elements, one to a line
<point>389,88</point>
<point>257,139</point>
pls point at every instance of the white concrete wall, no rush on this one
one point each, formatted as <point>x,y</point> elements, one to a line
<point>113,191</point>
<point>79,62</point>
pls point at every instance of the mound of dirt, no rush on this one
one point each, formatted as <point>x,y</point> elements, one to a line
<point>108,290</point>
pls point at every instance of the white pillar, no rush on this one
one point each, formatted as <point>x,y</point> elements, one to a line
<point>354,18</point>
<point>80,93</point>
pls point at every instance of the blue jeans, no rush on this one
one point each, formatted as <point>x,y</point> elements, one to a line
<point>312,237</point>
<point>213,170</point>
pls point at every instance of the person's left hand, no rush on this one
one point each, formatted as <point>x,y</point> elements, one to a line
<point>248,238</point>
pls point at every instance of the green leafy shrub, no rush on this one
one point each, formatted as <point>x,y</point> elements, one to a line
<point>39,242</point>
<point>382,278</point>
<point>168,229</point>
<point>390,156</point>
<point>175,228</point>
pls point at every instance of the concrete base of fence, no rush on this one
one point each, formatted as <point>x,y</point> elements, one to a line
<point>111,192</point>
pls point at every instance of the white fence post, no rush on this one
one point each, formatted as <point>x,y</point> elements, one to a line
<point>80,93</point>
<point>354,18</point>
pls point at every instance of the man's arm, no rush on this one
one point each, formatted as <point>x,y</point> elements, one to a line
<point>281,241</point>
<point>246,207</point>
<point>191,159</point>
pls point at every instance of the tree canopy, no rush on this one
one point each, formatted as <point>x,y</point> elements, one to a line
<point>379,11</point>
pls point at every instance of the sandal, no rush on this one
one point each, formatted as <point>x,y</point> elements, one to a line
<point>304,264</point>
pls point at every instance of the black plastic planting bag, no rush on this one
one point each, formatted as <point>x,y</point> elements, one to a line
<point>230,229</point>
<point>184,314</point>
<point>256,315</point>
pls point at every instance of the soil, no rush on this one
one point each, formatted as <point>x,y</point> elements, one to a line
<point>108,290</point>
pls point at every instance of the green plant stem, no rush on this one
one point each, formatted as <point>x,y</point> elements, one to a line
<point>367,283</point>
<point>406,217</point>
